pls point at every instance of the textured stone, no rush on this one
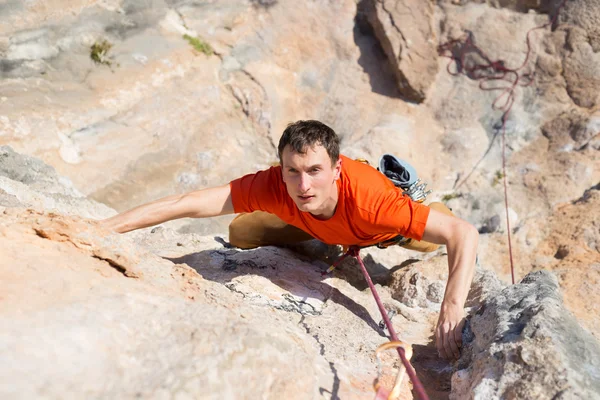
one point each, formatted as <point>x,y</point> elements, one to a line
<point>404,29</point>
<point>523,343</point>
<point>34,173</point>
<point>420,284</point>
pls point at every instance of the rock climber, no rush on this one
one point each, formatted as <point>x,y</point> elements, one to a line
<point>317,193</point>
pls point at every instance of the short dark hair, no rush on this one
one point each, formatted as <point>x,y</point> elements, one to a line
<point>303,134</point>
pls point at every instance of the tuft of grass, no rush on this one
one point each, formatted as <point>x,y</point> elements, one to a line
<point>99,52</point>
<point>199,44</point>
<point>497,178</point>
<point>448,197</point>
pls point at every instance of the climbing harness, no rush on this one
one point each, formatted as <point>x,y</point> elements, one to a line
<point>402,352</point>
<point>395,241</point>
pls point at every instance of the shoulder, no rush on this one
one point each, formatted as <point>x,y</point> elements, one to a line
<point>357,171</point>
<point>269,177</point>
<point>263,190</point>
<point>365,186</point>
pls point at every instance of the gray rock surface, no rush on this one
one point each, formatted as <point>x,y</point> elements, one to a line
<point>34,173</point>
<point>27,182</point>
<point>523,344</point>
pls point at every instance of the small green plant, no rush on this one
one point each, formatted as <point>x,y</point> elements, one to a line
<point>448,197</point>
<point>99,52</point>
<point>199,45</point>
<point>497,178</point>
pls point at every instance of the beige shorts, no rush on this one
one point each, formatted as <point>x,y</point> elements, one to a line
<point>259,228</point>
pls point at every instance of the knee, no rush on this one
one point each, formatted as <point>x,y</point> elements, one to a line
<point>429,248</point>
<point>421,246</point>
<point>238,237</point>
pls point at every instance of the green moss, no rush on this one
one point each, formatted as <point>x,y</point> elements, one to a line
<point>497,178</point>
<point>448,197</point>
<point>99,52</point>
<point>199,45</point>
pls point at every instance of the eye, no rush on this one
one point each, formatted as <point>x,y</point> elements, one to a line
<point>292,171</point>
<point>315,170</point>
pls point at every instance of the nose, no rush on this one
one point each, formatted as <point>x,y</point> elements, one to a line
<point>304,183</point>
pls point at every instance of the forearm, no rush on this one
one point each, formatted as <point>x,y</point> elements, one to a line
<point>143,216</point>
<point>462,250</point>
<point>461,240</point>
<point>198,204</point>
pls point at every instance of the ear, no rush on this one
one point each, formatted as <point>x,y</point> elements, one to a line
<point>337,169</point>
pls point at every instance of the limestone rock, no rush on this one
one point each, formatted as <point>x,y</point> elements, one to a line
<point>421,284</point>
<point>585,15</point>
<point>523,343</point>
<point>34,173</point>
<point>517,5</point>
<point>404,29</point>
<point>28,182</point>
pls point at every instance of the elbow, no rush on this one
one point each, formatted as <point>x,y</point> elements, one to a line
<point>472,233</point>
<point>183,206</point>
<point>464,234</point>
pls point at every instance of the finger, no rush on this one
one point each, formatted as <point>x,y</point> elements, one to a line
<point>439,342</point>
<point>452,343</point>
<point>458,333</point>
<point>445,352</point>
<point>446,341</point>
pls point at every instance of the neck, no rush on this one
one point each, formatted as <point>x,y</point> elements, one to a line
<point>330,205</point>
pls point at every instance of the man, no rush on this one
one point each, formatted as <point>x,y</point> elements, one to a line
<point>317,193</point>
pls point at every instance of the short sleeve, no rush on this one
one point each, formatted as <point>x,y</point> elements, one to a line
<point>258,191</point>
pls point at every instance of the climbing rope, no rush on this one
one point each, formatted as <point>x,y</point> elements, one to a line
<point>354,252</point>
<point>381,393</point>
<point>492,75</point>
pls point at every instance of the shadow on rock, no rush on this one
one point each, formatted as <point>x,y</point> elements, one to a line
<point>274,277</point>
<point>434,372</point>
<point>372,58</point>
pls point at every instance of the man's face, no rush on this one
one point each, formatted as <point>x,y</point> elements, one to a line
<point>311,180</point>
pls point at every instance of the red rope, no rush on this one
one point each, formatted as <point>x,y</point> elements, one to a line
<point>354,251</point>
<point>492,75</point>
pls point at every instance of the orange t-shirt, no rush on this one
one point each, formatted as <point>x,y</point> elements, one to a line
<point>370,208</point>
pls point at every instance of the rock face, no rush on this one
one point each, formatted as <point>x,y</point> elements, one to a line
<point>404,29</point>
<point>89,314</point>
<point>523,344</point>
<point>580,23</point>
<point>27,181</point>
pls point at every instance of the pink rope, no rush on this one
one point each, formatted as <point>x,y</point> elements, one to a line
<point>354,251</point>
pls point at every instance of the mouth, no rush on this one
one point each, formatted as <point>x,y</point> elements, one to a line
<point>305,198</point>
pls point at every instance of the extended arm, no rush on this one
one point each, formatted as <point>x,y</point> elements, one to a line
<point>461,240</point>
<point>198,204</point>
